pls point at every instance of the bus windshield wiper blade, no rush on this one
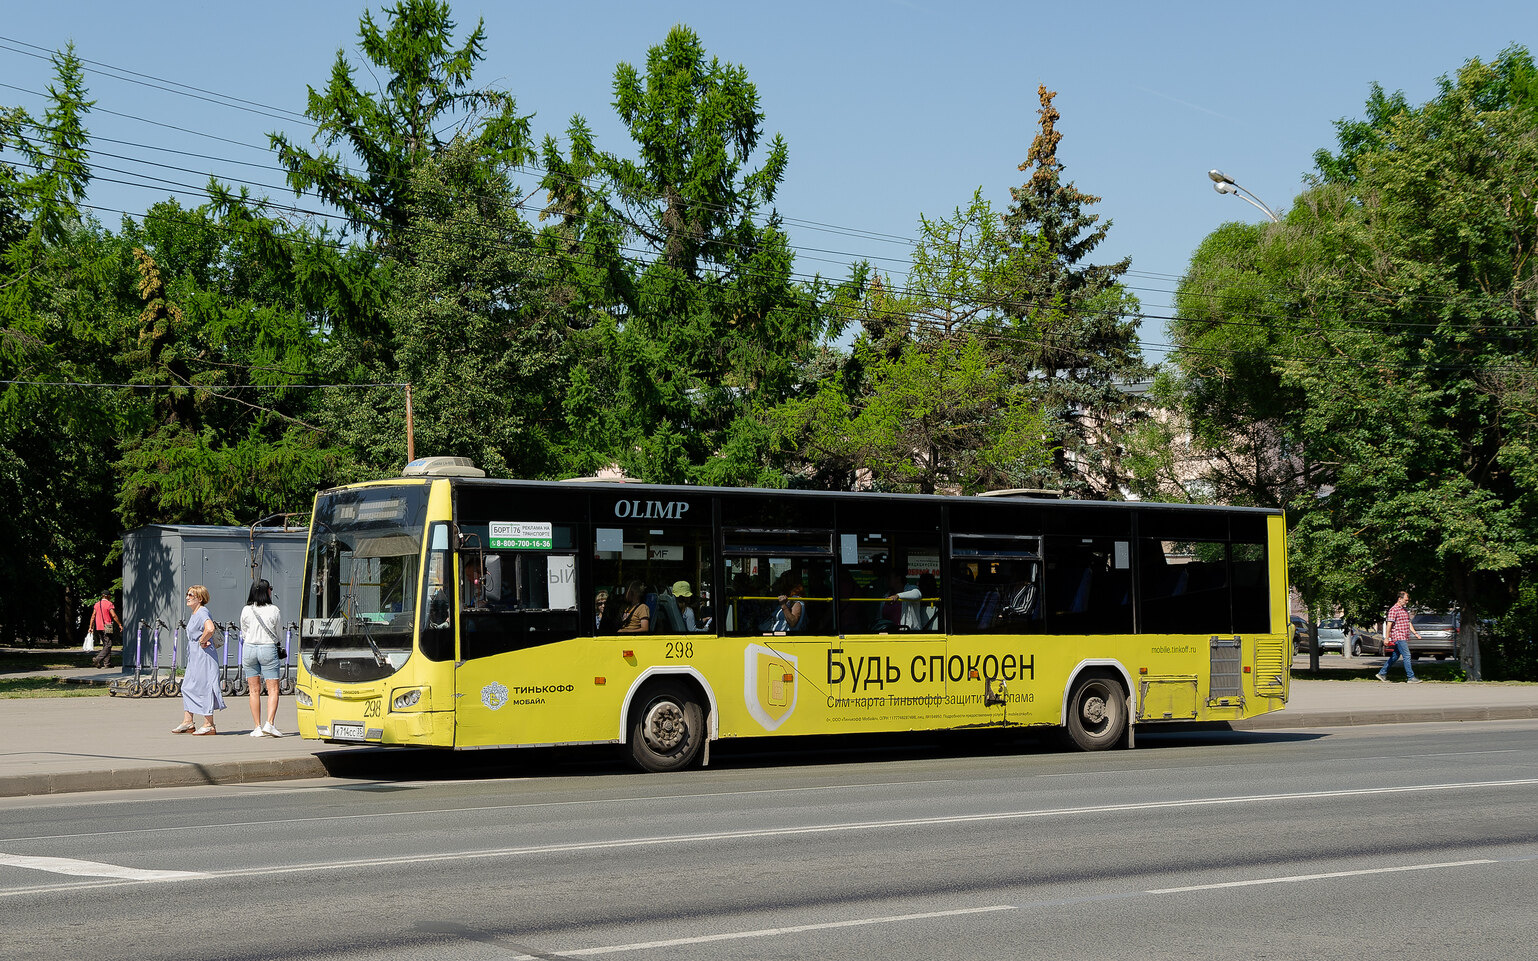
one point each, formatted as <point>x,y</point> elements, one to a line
<point>379,657</point>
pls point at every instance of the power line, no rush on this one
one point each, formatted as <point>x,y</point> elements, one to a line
<point>161,83</point>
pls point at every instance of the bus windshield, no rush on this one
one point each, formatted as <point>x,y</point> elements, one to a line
<point>362,577</point>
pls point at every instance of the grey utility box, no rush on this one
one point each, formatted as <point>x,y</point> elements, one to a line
<point>162,560</point>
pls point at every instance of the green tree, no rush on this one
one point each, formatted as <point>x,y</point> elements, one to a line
<point>1073,323</point>
<point>426,104</point>
<point>214,432</point>
<point>926,399</point>
<point>428,129</point>
<point>478,334</point>
<point>1393,312</point>
<point>939,415</point>
<point>682,342</point>
<point>56,441</point>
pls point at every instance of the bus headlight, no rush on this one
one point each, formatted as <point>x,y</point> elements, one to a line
<point>405,700</point>
<point>302,697</point>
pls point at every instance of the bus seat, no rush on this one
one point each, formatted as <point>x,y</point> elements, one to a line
<point>1081,596</point>
<point>986,612</point>
<point>667,620</point>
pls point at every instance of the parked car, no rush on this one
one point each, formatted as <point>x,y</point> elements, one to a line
<point>1332,636</point>
<point>1439,637</point>
<point>1365,640</point>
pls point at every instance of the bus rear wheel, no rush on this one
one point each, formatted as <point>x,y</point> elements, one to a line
<point>1097,714</point>
<point>667,728</point>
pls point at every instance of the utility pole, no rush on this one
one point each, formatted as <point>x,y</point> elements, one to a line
<point>411,447</point>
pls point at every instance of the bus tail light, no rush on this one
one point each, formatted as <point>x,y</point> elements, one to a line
<point>600,681</point>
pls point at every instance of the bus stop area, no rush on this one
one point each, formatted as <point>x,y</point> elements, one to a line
<point>58,745</point>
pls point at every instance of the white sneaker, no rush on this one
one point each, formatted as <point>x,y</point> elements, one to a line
<point>258,732</point>
<point>270,730</point>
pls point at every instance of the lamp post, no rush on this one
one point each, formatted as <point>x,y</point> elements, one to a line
<point>1224,184</point>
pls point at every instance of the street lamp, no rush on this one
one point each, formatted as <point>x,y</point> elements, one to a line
<point>1224,184</point>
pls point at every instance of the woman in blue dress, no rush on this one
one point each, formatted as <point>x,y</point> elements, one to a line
<point>200,685</point>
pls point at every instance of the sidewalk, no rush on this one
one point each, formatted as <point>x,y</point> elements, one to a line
<point>62,744</point>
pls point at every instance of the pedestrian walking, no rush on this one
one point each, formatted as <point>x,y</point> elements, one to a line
<point>200,685</point>
<point>261,661</point>
<point>1396,638</point>
<point>103,621</point>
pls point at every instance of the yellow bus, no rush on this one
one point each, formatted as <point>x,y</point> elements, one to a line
<point>450,610</point>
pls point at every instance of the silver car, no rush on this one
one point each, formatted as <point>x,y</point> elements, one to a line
<point>1332,636</point>
<point>1438,635</point>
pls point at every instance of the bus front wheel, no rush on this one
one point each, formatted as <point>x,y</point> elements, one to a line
<point>666,728</point>
<point>1097,714</point>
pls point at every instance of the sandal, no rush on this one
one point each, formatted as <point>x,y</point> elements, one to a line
<point>206,730</point>
<point>183,728</point>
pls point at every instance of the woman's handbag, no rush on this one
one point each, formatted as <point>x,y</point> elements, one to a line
<point>282,653</point>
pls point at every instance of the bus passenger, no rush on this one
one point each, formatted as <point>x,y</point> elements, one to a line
<point>637,618</point>
<point>685,598</point>
<point>790,614</point>
<point>901,610</point>
<point>600,603</point>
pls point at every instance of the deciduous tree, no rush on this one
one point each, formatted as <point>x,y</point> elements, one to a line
<point>1384,336</point>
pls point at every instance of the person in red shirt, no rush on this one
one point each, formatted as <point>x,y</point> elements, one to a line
<point>103,618</point>
<point>1396,637</point>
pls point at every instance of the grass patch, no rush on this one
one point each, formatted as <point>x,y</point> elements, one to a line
<point>14,660</point>
<point>1358,669</point>
<point>48,687</point>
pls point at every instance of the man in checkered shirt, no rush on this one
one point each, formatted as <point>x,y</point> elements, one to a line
<point>1397,630</point>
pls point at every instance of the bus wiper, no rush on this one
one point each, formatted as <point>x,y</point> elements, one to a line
<point>379,657</point>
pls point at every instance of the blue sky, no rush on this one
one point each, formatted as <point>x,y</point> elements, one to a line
<point>891,108</point>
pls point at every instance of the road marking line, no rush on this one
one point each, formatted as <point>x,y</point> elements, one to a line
<point>441,812</point>
<point>811,829</point>
<point>1315,877</point>
<point>96,869</point>
<point>844,827</point>
<point>1029,905</point>
<point>762,933</point>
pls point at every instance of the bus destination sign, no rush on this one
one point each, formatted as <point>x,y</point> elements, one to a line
<point>521,535</point>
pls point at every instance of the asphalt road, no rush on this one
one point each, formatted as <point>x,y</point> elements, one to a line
<point>1405,842</point>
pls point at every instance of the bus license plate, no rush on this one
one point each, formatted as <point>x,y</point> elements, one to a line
<point>347,732</point>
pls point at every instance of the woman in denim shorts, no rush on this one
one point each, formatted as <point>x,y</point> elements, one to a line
<point>259,621</point>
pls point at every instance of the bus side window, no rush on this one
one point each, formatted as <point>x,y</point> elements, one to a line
<point>996,584</point>
<point>671,563</point>
<point>1087,585</point>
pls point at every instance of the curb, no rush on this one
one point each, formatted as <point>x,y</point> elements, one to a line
<point>166,775</point>
<point>1282,721</point>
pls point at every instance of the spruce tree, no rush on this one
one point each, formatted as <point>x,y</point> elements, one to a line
<point>1071,325</point>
